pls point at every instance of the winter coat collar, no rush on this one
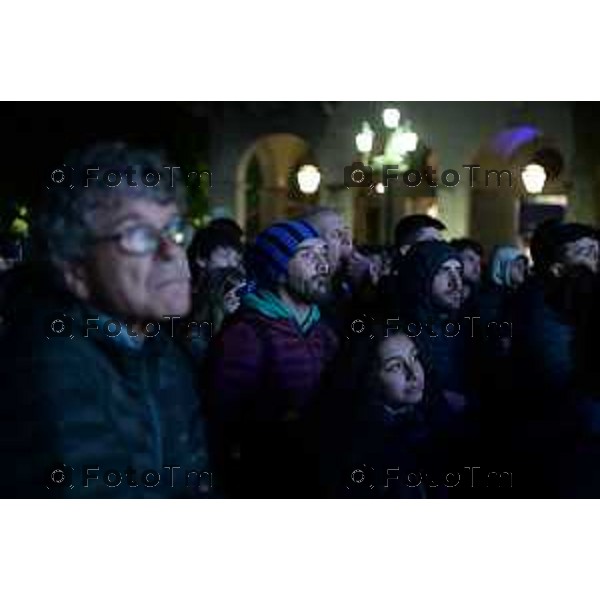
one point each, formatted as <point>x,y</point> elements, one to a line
<point>269,304</point>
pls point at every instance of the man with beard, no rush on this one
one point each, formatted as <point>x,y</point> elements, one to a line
<point>433,295</point>
<point>552,310</point>
<point>565,257</point>
<point>432,310</point>
<point>266,365</point>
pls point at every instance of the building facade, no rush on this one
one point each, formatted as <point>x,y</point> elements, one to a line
<point>257,147</point>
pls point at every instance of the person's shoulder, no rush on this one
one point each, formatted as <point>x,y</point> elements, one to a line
<point>243,329</point>
<point>54,366</point>
<point>53,344</point>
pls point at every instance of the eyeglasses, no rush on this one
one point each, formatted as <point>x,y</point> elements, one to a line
<point>142,240</point>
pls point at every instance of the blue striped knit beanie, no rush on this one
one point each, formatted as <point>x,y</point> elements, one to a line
<point>275,246</point>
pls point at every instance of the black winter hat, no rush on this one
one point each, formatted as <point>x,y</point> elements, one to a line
<point>420,265</point>
<point>549,239</point>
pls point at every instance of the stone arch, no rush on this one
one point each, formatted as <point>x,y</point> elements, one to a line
<point>497,200</point>
<point>277,156</point>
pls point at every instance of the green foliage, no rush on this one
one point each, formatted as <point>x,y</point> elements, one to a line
<point>198,193</point>
<point>14,219</point>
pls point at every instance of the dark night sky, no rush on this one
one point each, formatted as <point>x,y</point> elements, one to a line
<point>37,135</point>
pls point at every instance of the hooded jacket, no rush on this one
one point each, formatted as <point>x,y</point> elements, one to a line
<point>498,291</point>
<point>447,347</point>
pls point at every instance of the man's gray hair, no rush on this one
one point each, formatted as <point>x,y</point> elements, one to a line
<point>65,223</point>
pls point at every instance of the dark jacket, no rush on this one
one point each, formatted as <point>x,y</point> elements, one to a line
<point>401,455</point>
<point>494,340</point>
<point>92,405</point>
<point>543,354</point>
<point>496,303</point>
<point>361,436</point>
<point>543,338</point>
<point>348,302</point>
<point>264,378</point>
<point>447,345</point>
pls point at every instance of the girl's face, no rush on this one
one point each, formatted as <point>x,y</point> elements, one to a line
<point>400,371</point>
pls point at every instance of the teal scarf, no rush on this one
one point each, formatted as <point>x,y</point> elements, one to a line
<point>270,305</point>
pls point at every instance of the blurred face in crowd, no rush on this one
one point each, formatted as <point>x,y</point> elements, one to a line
<point>582,252</point>
<point>471,266</point>
<point>518,271</point>
<point>137,267</point>
<point>337,235</point>
<point>447,286</point>
<point>222,257</point>
<point>308,271</point>
<point>376,269</point>
<point>231,299</point>
<point>401,372</point>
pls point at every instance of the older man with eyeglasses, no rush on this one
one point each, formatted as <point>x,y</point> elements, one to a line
<point>96,402</point>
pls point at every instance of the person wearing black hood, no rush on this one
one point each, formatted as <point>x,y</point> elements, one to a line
<point>431,303</point>
<point>565,256</point>
<point>549,309</point>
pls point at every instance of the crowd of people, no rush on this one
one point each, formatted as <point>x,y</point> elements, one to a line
<point>143,358</point>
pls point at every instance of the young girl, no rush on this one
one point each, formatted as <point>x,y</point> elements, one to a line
<point>395,420</point>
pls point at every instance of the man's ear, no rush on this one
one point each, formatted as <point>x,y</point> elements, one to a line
<point>557,269</point>
<point>76,279</point>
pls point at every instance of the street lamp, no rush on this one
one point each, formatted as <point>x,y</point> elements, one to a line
<point>534,178</point>
<point>309,178</point>
<point>364,139</point>
<point>396,145</point>
<point>391,118</point>
<point>531,212</point>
